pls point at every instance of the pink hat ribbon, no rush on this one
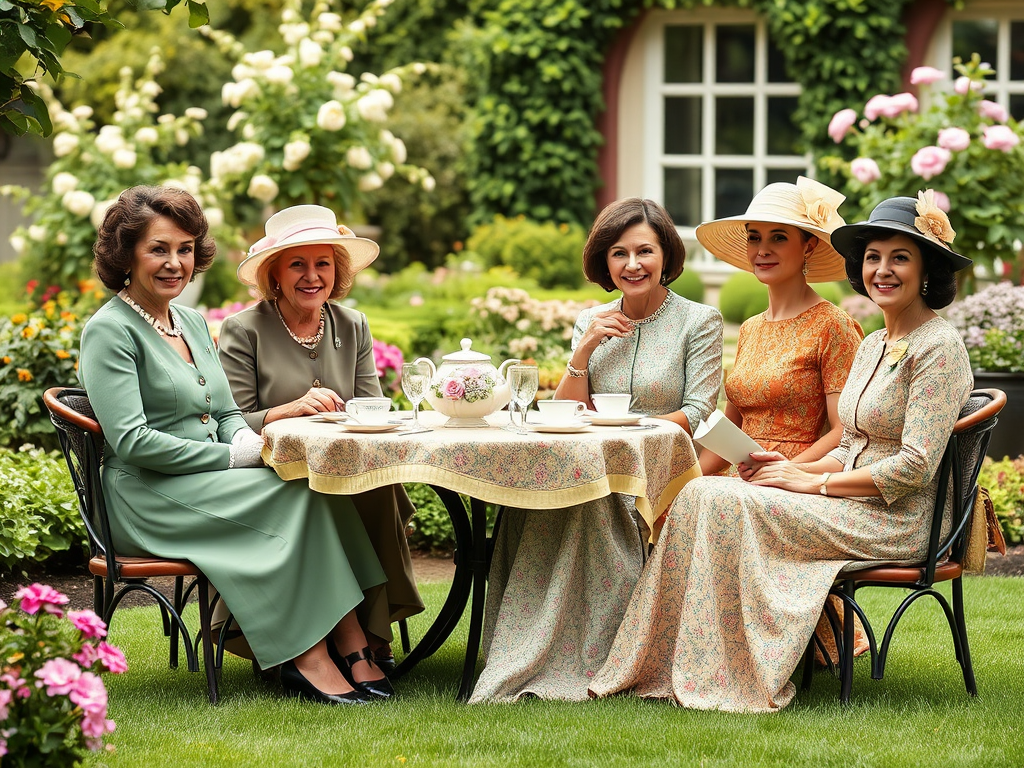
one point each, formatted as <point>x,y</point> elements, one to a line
<point>270,240</point>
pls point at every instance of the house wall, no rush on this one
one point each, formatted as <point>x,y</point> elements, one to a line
<point>23,161</point>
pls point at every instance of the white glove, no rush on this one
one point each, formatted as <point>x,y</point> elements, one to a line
<point>246,446</point>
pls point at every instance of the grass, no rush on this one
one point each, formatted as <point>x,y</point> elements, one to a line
<point>919,715</point>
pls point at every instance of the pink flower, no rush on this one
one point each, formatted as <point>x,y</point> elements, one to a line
<point>87,656</point>
<point>41,596</point>
<point>865,170</point>
<point>415,300</point>
<point>900,103</point>
<point>93,728</point>
<point>90,694</point>
<point>964,84</point>
<point>955,139</point>
<point>6,696</point>
<point>1000,137</point>
<point>454,389</point>
<point>876,105</point>
<point>841,122</point>
<point>992,111</point>
<point>941,200</point>
<point>111,657</point>
<point>88,623</point>
<point>59,676</point>
<point>926,75</point>
<point>929,161</point>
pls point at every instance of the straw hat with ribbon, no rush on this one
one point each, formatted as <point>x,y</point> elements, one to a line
<point>808,205</point>
<point>307,225</point>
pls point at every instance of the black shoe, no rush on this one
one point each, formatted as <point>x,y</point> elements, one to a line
<point>381,689</point>
<point>296,684</point>
<point>387,664</point>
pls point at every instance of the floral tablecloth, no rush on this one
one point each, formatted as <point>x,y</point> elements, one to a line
<point>533,471</point>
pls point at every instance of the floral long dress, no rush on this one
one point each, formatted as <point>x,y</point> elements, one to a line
<point>735,586</point>
<point>560,579</point>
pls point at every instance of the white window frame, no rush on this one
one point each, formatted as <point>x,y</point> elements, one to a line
<point>656,90</point>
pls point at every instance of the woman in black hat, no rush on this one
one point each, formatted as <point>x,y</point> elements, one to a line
<point>730,597</point>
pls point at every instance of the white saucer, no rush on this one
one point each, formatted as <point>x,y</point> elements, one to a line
<point>334,417</point>
<point>599,420</point>
<point>355,426</point>
<point>577,426</point>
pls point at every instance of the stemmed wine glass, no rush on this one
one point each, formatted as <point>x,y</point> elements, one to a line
<point>415,378</point>
<point>522,383</point>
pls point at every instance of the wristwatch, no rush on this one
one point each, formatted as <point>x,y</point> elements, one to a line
<point>823,488</point>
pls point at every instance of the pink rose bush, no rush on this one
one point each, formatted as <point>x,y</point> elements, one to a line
<point>53,703</point>
<point>388,359</point>
<point>965,147</point>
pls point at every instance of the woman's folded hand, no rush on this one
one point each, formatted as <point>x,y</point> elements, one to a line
<point>246,447</point>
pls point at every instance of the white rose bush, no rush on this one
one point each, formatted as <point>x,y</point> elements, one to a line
<point>309,131</point>
<point>94,164</point>
<point>963,146</point>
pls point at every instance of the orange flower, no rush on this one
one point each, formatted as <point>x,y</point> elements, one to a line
<point>63,354</point>
<point>19,318</point>
<point>24,375</point>
<point>84,286</point>
<point>53,5</point>
<point>6,359</point>
<point>29,332</point>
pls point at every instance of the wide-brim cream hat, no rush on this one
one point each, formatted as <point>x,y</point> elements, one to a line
<point>307,225</point>
<point>808,205</point>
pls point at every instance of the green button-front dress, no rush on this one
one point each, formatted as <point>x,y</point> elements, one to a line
<point>289,564</point>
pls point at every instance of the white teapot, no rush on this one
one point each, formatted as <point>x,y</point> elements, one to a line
<point>467,386</point>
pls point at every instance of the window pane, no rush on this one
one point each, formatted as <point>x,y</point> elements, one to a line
<point>1017,106</point>
<point>1017,50</point>
<point>976,36</point>
<point>783,134</point>
<point>788,175</point>
<point>734,125</point>
<point>734,53</point>
<point>734,188</point>
<point>682,195</point>
<point>682,125</point>
<point>684,52</point>
<point>776,65</point>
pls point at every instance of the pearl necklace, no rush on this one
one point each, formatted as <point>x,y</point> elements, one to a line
<point>309,342</point>
<point>163,330</point>
<point>650,318</point>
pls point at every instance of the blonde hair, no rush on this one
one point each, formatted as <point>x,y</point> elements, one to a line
<point>270,290</point>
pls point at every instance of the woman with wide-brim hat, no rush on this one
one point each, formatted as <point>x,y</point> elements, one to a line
<point>297,352</point>
<point>733,591</point>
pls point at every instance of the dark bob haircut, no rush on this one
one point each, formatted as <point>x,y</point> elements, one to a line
<point>127,221</point>
<point>938,270</point>
<point>615,219</point>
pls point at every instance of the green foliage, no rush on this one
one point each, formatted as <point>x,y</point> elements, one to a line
<point>991,323</point>
<point>38,350</point>
<point>547,253</point>
<point>742,296</point>
<point>41,518</point>
<point>431,526</point>
<point>689,285</point>
<point>1005,483</point>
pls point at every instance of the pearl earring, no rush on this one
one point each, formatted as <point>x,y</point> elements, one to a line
<point>127,280</point>
<point>924,288</point>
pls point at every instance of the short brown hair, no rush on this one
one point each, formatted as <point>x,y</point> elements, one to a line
<point>127,221</point>
<point>343,276</point>
<point>615,219</point>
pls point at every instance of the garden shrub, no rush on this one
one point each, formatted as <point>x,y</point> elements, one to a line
<point>488,240</point>
<point>549,253</point>
<point>829,291</point>
<point>1005,483</point>
<point>40,517</point>
<point>742,296</point>
<point>689,285</point>
<point>431,527</point>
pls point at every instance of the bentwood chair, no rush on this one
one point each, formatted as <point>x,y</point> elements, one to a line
<point>961,463</point>
<point>114,576</point>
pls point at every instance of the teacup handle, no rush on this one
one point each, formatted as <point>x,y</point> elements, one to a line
<point>580,408</point>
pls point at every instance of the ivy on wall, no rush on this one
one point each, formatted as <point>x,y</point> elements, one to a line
<point>536,70</point>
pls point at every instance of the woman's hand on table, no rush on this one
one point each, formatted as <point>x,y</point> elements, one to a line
<point>316,400</point>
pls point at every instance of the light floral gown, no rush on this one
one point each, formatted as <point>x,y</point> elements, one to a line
<point>560,579</point>
<point>735,586</point>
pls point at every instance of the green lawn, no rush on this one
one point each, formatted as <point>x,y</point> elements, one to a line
<point>919,715</point>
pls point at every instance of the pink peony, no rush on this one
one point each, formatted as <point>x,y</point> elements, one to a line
<point>454,389</point>
<point>90,694</point>
<point>41,596</point>
<point>876,105</point>
<point>1000,137</point>
<point>941,200</point>
<point>900,103</point>
<point>59,676</point>
<point>841,122</point>
<point>865,170</point>
<point>94,727</point>
<point>6,695</point>
<point>964,84</point>
<point>88,623</point>
<point>992,111</point>
<point>929,161</point>
<point>111,657</point>
<point>954,139</point>
<point>926,75</point>
<point>87,656</point>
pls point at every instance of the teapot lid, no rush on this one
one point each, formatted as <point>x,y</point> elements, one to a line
<point>466,355</point>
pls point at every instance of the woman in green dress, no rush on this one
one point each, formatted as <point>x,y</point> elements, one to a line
<point>183,477</point>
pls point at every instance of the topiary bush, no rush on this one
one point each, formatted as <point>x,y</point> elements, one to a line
<point>742,296</point>
<point>548,253</point>
<point>689,285</point>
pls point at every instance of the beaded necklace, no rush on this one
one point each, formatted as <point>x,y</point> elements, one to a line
<point>163,330</point>
<point>309,342</point>
<point>650,318</point>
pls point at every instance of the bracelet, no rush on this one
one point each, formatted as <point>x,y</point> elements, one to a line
<point>823,489</point>
<point>575,373</point>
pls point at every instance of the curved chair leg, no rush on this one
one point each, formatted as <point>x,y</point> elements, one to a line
<point>846,653</point>
<point>403,630</point>
<point>206,633</point>
<point>961,629</point>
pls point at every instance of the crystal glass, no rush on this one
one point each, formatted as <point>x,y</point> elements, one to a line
<point>522,383</point>
<point>415,379</point>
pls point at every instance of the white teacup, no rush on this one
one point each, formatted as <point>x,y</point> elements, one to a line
<point>612,405</point>
<point>560,411</point>
<point>369,410</point>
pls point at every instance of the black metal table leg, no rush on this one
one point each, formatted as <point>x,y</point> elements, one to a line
<point>479,567</point>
